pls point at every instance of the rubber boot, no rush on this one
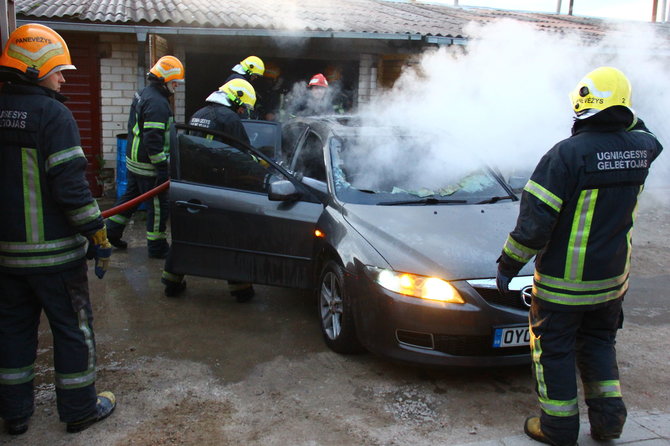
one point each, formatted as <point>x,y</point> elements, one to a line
<point>103,408</point>
<point>533,429</point>
<point>17,426</point>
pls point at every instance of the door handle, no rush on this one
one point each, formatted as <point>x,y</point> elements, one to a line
<point>191,206</point>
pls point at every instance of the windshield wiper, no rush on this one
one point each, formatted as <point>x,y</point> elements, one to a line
<point>497,199</point>
<point>423,201</point>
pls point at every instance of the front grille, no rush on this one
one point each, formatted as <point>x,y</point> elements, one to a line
<point>462,345</point>
<point>492,296</point>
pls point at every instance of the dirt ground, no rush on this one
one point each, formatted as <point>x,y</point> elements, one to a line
<point>205,370</point>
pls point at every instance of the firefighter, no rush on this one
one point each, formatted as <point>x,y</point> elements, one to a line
<point>150,131</point>
<point>48,214</point>
<point>270,94</point>
<point>248,69</point>
<point>318,86</point>
<point>576,217</point>
<point>222,113</point>
<point>341,98</point>
<point>318,100</point>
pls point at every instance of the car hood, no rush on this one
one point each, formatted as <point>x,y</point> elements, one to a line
<point>449,241</point>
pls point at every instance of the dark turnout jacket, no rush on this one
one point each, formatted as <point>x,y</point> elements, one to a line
<point>45,203</point>
<point>578,208</point>
<point>150,131</point>
<point>215,116</point>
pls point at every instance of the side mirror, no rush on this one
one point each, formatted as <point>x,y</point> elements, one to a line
<point>283,190</point>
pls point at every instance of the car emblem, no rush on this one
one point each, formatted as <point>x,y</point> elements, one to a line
<point>526,295</point>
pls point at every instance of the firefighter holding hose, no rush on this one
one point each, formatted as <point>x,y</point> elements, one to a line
<point>48,215</point>
<point>150,132</point>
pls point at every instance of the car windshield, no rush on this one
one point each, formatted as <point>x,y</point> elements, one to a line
<point>383,169</point>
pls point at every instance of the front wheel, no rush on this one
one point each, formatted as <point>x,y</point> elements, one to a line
<point>335,311</point>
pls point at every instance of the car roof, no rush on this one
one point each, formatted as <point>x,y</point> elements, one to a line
<point>344,125</point>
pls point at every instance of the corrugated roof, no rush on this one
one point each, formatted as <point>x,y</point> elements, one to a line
<point>355,16</point>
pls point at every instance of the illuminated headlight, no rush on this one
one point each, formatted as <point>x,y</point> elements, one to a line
<point>430,288</point>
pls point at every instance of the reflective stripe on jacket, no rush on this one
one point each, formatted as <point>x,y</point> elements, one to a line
<point>578,209</point>
<point>149,131</point>
<point>45,202</point>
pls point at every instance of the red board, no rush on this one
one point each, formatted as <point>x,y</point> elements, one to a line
<point>82,87</point>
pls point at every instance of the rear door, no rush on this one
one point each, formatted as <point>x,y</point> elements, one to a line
<point>223,224</point>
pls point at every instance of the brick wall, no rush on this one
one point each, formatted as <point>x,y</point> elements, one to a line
<point>367,78</point>
<point>118,83</point>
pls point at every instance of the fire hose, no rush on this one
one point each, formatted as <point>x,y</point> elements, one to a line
<point>135,201</point>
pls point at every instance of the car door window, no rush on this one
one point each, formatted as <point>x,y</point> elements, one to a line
<point>290,137</point>
<point>309,160</point>
<point>265,136</point>
<point>210,162</point>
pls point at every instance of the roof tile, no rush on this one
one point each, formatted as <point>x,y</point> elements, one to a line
<point>357,16</point>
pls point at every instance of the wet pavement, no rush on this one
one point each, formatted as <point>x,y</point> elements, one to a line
<point>203,369</point>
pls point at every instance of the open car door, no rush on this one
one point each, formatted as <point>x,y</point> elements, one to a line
<point>224,224</point>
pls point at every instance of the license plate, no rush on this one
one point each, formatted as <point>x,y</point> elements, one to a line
<point>511,336</point>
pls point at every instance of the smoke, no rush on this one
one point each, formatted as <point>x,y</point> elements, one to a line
<point>304,101</point>
<point>504,98</point>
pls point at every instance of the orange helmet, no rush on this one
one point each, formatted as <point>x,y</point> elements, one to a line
<point>333,73</point>
<point>35,51</point>
<point>168,69</point>
<point>318,80</point>
<point>272,70</point>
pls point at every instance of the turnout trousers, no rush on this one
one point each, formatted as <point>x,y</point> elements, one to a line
<point>65,300</point>
<point>563,340</point>
<point>157,214</point>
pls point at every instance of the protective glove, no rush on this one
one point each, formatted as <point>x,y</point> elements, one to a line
<point>99,249</point>
<point>502,281</point>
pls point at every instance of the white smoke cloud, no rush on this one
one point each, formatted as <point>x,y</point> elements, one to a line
<point>505,99</point>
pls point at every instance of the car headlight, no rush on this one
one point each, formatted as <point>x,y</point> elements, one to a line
<point>431,288</point>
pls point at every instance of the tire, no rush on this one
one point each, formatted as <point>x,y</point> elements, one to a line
<point>335,311</point>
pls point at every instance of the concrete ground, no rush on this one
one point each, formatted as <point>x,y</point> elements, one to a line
<point>205,370</point>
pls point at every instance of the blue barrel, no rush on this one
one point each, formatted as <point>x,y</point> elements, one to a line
<point>121,170</point>
<point>121,174</point>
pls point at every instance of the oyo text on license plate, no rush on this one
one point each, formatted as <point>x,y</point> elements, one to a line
<point>511,336</point>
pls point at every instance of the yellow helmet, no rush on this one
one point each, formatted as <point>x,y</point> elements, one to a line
<point>602,88</point>
<point>35,51</point>
<point>240,92</point>
<point>168,69</point>
<point>253,65</point>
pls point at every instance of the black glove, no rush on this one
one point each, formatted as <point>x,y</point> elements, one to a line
<point>502,281</point>
<point>507,270</point>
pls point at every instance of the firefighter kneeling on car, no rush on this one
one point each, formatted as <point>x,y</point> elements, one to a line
<point>48,215</point>
<point>576,216</point>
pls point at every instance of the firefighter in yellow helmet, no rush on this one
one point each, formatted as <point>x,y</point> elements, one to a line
<point>48,215</point>
<point>576,218</point>
<point>222,113</point>
<point>248,69</point>
<point>150,128</point>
